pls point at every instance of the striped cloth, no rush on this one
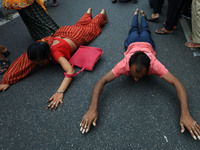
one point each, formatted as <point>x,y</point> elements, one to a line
<point>82,33</point>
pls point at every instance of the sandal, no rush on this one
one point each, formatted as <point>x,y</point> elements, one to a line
<point>114,1</point>
<point>163,31</point>
<point>3,70</point>
<point>152,19</point>
<point>4,65</point>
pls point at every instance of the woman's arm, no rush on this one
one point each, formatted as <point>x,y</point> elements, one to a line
<point>19,69</point>
<point>58,96</point>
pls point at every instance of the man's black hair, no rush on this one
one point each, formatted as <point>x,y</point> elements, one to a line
<point>139,59</point>
<point>38,51</point>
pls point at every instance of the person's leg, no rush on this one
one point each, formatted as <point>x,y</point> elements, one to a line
<point>100,19</point>
<point>133,35</point>
<point>186,11</point>
<point>86,18</point>
<point>145,35</point>
<point>173,12</point>
<point>157,6</point>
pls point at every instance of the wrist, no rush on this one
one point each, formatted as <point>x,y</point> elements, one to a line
<point>185,113</point>
<point>60,92</point>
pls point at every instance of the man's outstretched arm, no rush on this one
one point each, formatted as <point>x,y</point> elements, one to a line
<point>186,120</point>
<point>92,115</point>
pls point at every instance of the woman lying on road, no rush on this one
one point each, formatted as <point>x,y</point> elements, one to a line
<point>59,48</point>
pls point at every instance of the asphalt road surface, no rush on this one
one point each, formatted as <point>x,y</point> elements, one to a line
<point>142,115</point>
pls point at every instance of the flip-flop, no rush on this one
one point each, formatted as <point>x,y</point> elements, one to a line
<point>4,63</point>
<point>152,19</point>
<point>3,70</point>
<point>163,32</point>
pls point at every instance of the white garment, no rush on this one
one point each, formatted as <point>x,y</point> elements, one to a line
<point>196,21</point>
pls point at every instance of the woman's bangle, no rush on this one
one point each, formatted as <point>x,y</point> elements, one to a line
<point>60,91</point>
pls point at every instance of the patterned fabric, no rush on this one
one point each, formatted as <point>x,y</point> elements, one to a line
<point>82,33</point>
<point>19,4</point>
<point>38,22</point>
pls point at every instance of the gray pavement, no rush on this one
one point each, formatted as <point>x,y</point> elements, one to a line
<point>143,115</point>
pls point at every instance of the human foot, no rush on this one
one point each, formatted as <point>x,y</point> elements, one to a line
<point>105,15</point>
<point>153,18</point>
<point>142,13</point>
<point>192,45</point>
<point>136,12</point>
<point>55,3</point>
<point>164,31</point>
<point>89,11</point>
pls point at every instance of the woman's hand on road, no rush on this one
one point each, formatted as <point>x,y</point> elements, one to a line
<point>4,87</point>
<point>55,100</point>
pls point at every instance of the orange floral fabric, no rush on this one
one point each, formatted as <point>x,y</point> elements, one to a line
<point>19,4</point>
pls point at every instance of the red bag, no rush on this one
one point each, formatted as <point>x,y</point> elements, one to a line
<point>85,58</point>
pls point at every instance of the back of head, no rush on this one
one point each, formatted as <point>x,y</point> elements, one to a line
<point>140,59</point>
<point>38,51</point>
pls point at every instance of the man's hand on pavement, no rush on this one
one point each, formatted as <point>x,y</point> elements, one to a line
<point>89,118</point>
<point>191,125</point>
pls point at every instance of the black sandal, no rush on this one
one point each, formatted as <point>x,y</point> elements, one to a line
<point>152,19</point>
<point>4,65</point>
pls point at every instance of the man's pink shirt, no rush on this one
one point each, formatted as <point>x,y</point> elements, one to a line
<point>155,68</point>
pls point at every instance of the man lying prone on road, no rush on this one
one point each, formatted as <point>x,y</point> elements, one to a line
<point>140,60</point>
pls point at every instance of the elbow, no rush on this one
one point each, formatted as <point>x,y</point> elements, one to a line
<point>102,82</point>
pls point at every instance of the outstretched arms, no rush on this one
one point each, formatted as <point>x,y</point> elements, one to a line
<point>58,96</point>
<point>186,120</point>
<point>92,115</point>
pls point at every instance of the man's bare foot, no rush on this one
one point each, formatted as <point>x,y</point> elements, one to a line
<point>192,45</point>
<point>136,12</point>
<point>103,11</point>
<point>89,11</point>
<point>142,13</point>
<point>164,31</point>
